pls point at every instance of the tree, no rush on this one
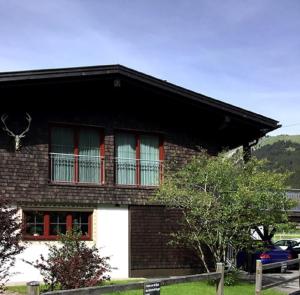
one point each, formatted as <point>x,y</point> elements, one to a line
<point>10,238</point>
<point>72,264</point>
<point>222,199</point>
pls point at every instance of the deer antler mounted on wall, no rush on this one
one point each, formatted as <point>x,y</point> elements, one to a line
<point>16,136</point>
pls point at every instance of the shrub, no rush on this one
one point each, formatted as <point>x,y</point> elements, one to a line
<point>72,264</point>
<point>10,238</point>
<point>231,278</point>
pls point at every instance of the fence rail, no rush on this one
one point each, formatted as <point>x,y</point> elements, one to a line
<point>261,267</point>
<point>218,276</point>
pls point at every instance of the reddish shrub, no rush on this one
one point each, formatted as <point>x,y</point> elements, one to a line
<point>73,264</point>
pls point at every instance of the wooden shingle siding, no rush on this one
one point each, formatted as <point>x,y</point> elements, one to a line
<point>150,251</point>
<point>24,175</point>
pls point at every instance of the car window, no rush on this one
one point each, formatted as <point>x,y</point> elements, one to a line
<point>280,243</point>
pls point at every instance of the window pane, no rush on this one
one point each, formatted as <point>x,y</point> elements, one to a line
<point>56,229</point>
<point>58,223</point>
<point>80,217</point>
<point>126,159</point>
<point>62,154</point>
<point>81,221</point>
<point>34,223</point>
<point>89,157</point>
<point>35,229</point>
<point>149,162</point>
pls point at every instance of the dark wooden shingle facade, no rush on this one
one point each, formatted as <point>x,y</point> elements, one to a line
<point>114,99</point>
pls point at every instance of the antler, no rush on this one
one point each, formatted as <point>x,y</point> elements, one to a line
<point>28,118</point>
<point>3,119</point>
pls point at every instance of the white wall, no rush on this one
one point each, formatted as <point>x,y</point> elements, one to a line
<point>113,238</point>
<point>110,234</point>
<point>22,271</point>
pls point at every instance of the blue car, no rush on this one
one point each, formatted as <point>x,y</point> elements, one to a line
<point>274,254</point>
<point>247,261</point>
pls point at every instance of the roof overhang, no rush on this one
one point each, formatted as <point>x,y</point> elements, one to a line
<point>46,75</point>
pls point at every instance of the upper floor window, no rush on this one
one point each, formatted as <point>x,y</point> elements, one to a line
<point>76,155</point>
<point>48,225</point>
<point>138,159</point>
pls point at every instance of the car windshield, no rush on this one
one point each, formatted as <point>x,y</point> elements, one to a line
<point>280,243</point>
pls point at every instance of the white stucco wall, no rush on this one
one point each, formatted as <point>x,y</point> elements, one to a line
<point>22,271</point>
<point>113,238</point>
<point>110,234</point>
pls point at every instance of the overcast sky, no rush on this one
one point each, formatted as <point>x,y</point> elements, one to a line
<point>245,52</point>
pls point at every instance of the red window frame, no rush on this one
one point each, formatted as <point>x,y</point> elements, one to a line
<point>46,223</point>
<point>138,154</point>
<point>76,129</point>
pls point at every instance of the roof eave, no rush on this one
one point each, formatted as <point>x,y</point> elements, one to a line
<point>35,75</point>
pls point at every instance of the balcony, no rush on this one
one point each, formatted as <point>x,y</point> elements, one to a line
<point>70,168</point>
<point>138,172</point>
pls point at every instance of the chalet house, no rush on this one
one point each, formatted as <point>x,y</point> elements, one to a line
<point>95,152</point>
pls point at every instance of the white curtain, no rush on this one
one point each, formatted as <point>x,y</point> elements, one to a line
<point>89,161</point>
<point>149,161</point>
<point>126,159</point>
<point>62,154</point>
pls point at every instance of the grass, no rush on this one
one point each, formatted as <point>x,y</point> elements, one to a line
<point>179,289</point>
<point>203,288</point>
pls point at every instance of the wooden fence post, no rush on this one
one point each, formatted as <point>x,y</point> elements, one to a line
<point>258,277</point>
<point>299,269</point>
<point>220,282</point>
<point>33,288</point>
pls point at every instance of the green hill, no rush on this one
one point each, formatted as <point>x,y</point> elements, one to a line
<point>283,154</point>
<point>273,139</point>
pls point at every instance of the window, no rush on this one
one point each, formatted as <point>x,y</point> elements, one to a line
<point>43,225</point>
<point>138,159</point>
<point>77,155</point>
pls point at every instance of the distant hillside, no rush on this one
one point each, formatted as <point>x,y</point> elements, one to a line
<point>283,154</point>
<point>273,139</point>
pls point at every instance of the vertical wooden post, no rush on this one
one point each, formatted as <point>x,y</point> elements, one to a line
<point>33,288</point>
<point>258,277</point>
<point>299,269</point>
<point>220,282</point>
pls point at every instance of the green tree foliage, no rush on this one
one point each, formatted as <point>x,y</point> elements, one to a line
<point>72,264</point>
<point>283,155</point>
<point>222,200</point>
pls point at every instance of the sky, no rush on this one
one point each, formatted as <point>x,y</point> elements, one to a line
<point>244,52</point>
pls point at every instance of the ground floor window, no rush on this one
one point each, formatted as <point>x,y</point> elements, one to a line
<point>47,225</point>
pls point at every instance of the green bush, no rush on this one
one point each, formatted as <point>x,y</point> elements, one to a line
<point>231,278</point>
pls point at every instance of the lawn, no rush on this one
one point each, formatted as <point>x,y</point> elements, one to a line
<point>203,288</point>
<point>187,289</point>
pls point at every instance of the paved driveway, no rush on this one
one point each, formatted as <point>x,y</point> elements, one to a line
<point>289,288</point>
<point>268,278</point>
